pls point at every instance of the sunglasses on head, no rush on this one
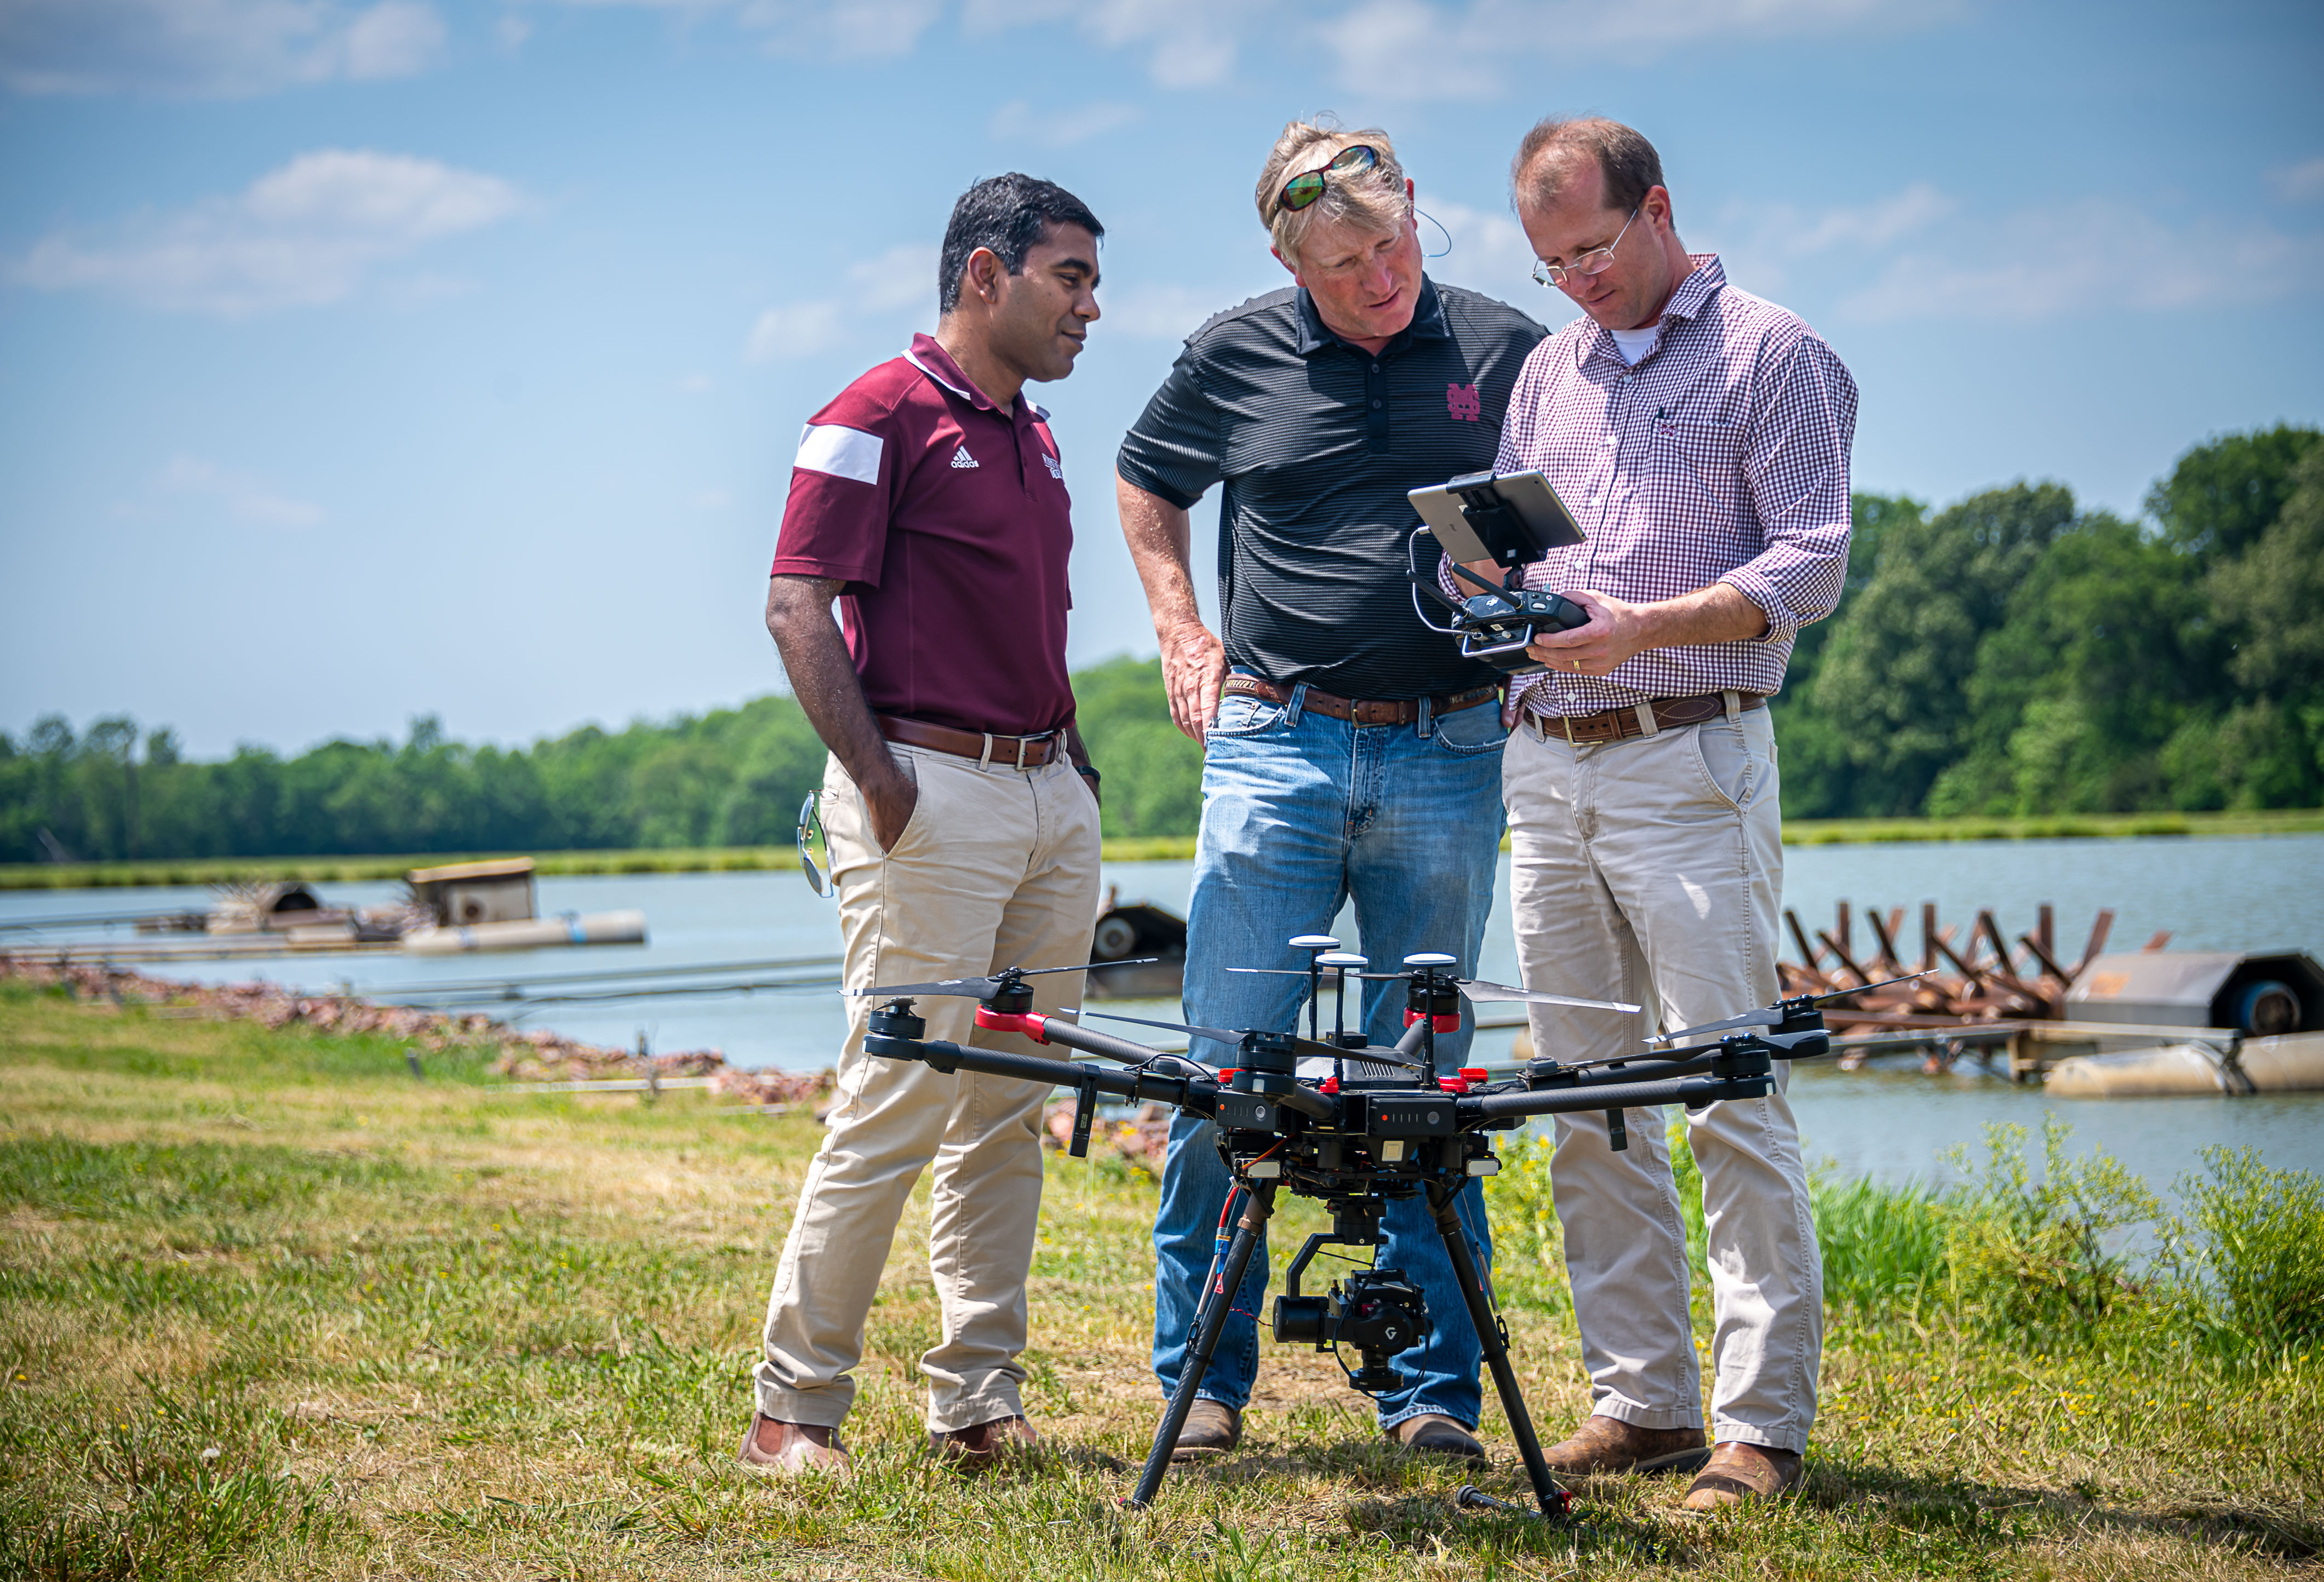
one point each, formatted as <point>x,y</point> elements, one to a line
<point>1303,190</point>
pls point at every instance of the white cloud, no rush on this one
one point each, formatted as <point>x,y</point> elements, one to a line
<point>902,277</point>
<point>244,498</point>
<point>842,29</point>
<point>1160,313</point>
<point>209,48</point>
<point>1410,49</point>
<point>1763,243</point>
<point>1488,253</point>
<point>393,39</point>
<point>2299,183</point>
<point>309,234</point>
<point>824,29</point>
<point>1187,44</point>
<point>1017,122</point>
<point>801,330</point>
<point>2094,255</point>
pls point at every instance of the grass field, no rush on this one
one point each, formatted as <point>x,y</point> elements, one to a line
<point>212,871</point>
<point>271,1308</point>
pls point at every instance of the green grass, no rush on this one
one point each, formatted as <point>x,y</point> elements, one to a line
<point>66,876</point>
<point>270,1308</point>
<point>213,871</point>
<point>2081,825</point>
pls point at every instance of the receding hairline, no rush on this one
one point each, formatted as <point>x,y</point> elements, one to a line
<point>1628,166</point>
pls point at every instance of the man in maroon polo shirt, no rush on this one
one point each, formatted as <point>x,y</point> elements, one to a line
<point>929,501</point>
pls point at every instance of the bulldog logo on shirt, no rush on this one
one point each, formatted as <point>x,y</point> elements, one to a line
<point>1057,468</point>
<point>1462,404</point>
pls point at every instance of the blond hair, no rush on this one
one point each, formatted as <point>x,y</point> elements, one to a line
<point>1373,199</point>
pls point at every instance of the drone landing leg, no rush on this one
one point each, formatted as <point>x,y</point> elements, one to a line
<point>1552,1500</point>
<point>1248,1229</point>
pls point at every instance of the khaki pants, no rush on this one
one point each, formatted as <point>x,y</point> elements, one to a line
<point>1651,870</point>
<point>998,868</point>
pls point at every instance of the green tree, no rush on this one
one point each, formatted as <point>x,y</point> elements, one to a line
<point>2222,495</point>
<point>1817,775</point>
<point>1893,672</point>
<point>2074,696</point>
<point>2268,751</point>
<point>1153,771</point>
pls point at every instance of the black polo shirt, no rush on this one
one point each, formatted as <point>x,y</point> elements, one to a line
<point>1318,442</point>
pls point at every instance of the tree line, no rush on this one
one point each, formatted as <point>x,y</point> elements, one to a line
<point>2011,653</point>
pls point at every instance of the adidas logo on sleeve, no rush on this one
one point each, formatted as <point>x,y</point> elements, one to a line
<point>961,458</point>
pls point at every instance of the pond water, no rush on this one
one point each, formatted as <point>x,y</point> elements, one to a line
<point>2226,893</point>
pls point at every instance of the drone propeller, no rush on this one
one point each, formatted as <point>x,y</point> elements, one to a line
<point>1766,1019</point>
<point>1774,1015</point>
<point>1817,1000</point>
<point>1477,989</point>
<point>1306,1049</point>
<point>1217,1035</point>
<point>985,987</point>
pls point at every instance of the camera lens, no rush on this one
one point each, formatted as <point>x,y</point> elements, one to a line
<point>1300,1321</point>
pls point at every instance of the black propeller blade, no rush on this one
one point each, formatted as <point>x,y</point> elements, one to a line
<point>1477,989</point>
<point>1766,1019</point>
<point>1219,1035</point>
<point>986,988</point>
<point>1305,1048</point>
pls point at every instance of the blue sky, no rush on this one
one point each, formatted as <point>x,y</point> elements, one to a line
<point>359,360</point>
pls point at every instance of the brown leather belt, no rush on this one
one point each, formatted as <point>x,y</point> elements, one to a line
<point>1361,711</point>
<point>1021,752</point>
<point>1622,724</point>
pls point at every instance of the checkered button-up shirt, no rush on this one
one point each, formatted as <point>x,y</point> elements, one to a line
<point>1720,456</point>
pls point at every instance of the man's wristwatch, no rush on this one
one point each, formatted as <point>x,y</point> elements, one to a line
<point>1089,772</point>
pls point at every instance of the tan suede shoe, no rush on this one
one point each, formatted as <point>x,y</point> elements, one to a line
<point>985,1445</point>
<point>794,1449</point>
<point>1213,1429</point>
<point>1434,1434</point>
<point>1739,1472</point>
<point>1608,1444</point>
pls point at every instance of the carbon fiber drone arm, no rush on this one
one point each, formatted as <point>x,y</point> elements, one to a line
<point>1194,1095</point>
<point>1693,1091</point>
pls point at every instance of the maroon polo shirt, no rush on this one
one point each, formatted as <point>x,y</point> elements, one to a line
<point>948,521</point>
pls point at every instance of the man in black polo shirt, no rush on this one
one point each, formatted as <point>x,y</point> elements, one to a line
<point>1348,750</point>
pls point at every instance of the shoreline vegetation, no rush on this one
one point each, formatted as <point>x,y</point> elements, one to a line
<point>270,1306</point>
<point>219,870</point>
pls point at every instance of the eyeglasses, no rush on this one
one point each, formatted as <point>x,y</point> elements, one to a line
<point>813,844</point>
<point>1303,190</point>
<point>1596,262</point>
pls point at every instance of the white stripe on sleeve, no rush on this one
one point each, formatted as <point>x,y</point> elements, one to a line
<point>844,453</point>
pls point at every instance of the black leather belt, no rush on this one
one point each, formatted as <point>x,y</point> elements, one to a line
<point>1401,711</point>
<point>1623,723</point>
<point>1022,752</point>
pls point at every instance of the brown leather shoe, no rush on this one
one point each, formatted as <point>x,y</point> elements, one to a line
<point>1739,1472</point>
<point>1435,1434</point>
<point>1213,1429</point>
<point>1608,1444</point>
<point>791,1450</point>
<point>973,1450</point>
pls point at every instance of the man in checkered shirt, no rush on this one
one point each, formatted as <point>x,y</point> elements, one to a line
<point>1700,437</point>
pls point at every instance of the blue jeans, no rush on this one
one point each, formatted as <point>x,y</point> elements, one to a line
<point>1300,813</point>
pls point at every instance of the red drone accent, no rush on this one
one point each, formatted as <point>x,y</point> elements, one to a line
<point>1032,1026</point>
<point>1451,1023</point>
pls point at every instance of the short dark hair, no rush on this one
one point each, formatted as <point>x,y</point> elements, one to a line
<point>1011,215</point>
<point>1625,159</point>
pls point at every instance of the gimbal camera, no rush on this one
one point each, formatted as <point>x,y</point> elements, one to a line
<point>1511,521</point>
<point>1383,1125</point>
